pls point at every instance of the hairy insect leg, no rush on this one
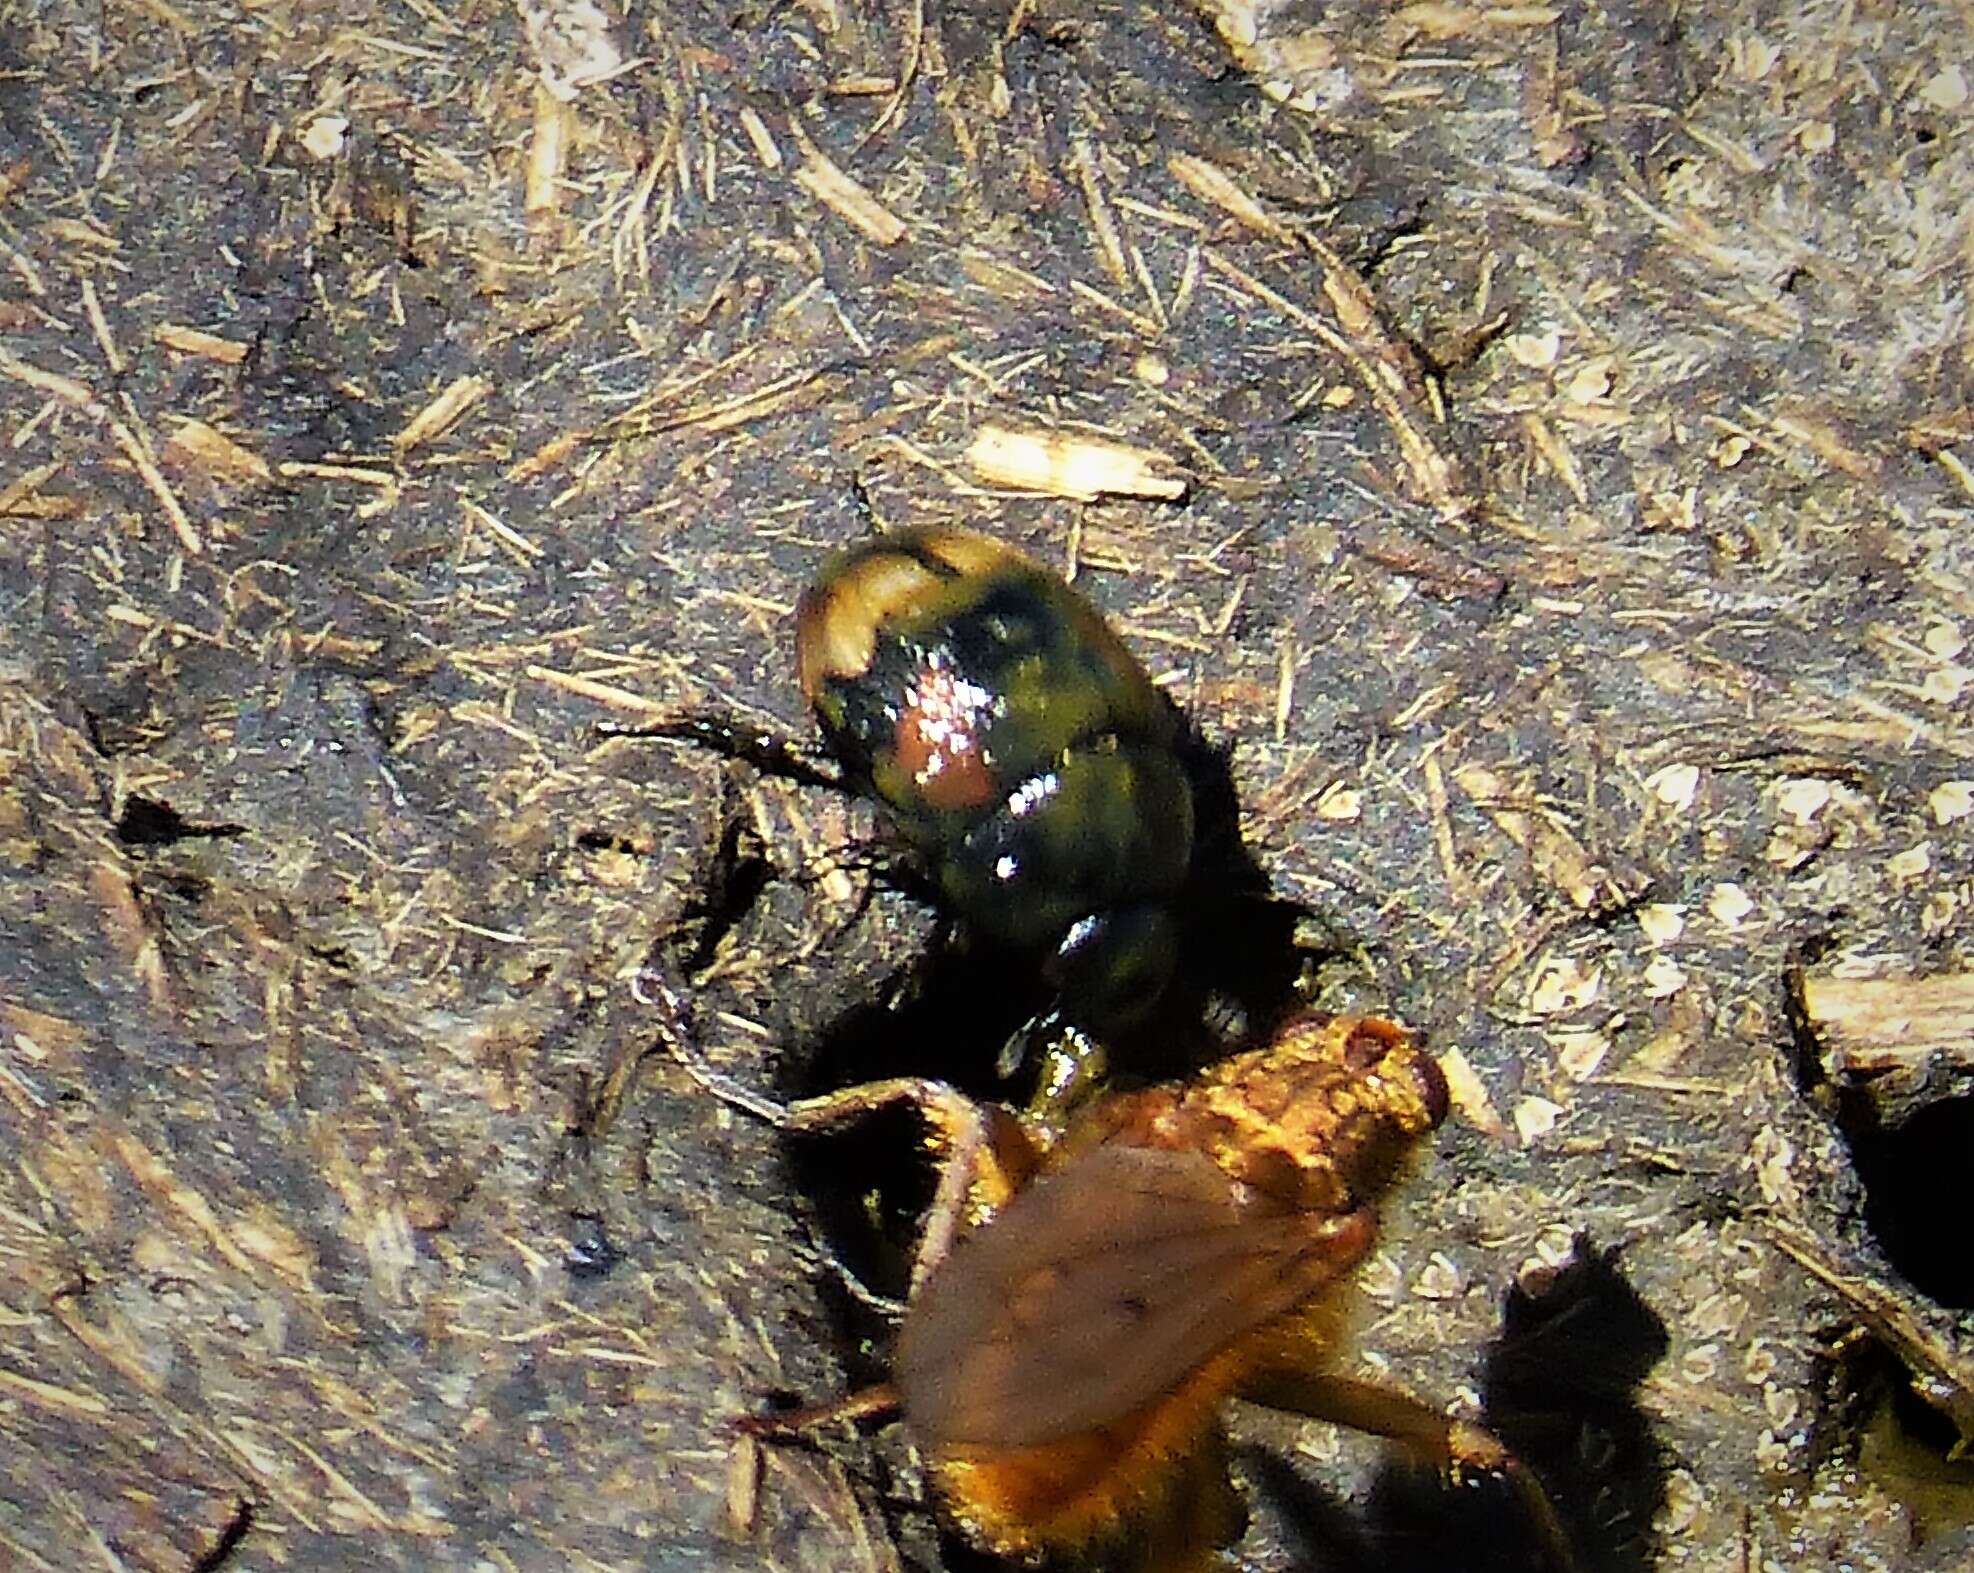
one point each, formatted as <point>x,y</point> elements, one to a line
<point>651,987</point>
<point>769,751</point>
<point>983,1151</point>
<point>1453,1446</point>
<point>881,1399</point>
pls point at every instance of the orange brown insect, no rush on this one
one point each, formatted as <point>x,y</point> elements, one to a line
<point>1085,1301</point>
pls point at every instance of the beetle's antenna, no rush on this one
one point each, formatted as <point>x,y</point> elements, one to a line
<point>674,1027</point>
<point>768,751</point>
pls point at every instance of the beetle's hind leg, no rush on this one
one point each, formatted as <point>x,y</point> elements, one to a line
<point>1453,1446</point>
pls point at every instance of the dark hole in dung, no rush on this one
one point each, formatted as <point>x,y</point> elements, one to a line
<point>148,823</point>
<point>1922,1424</point>
<point>1902,1443</point>
<point>947,1016</point>
<point>732,882</point>
<point>1911,1172</point>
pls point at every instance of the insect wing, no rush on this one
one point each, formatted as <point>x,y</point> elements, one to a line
<point>1100,1288</point>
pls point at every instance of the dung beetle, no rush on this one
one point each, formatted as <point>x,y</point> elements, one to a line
<point>1021,751</point>
<point>1024,756</point>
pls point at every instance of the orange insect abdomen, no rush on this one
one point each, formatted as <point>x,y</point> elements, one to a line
<point>1062,1495</point>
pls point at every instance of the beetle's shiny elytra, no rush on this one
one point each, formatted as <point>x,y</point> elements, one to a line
<point>1020,748</point>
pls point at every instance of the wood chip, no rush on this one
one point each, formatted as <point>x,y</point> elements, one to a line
<point>761,139</point>
<point>197,446</point>
<point>196,341</point>
<point>58,1400</point>
<point>1468,1094</point>
<point>23,498</point>
<point>1212,184</point>
<point>848,199</point>
<point>138,450</point>
<point>53,383</point>
<point>325,136</point>
<point>1063,464</point>
<point>1877,1024</point>
<point>1951,801</point>
<point>602,693</point>
<point>99,324</point>
<point>1535,1118</point>
<point>1675,785</point>
<point>458,396</point>
<point>548,153</point>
